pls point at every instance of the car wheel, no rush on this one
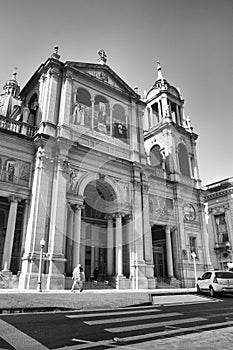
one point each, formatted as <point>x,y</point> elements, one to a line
<point>198,290</point>
<point>212,292</point>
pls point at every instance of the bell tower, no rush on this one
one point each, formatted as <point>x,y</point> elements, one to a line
<point>177,211</point>
<point>166,126</point>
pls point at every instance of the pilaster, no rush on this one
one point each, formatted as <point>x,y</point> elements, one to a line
<point>58,219</point>
<point>37,218</point>
<point>10,232</point>
<point>66,99</point>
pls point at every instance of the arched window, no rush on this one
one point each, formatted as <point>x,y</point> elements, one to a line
<point>119,122</point>
<point>102,115</point>
<point>156,158</point>
<point>183,160</point>
<point>33,107</point>
<point>82,108</point>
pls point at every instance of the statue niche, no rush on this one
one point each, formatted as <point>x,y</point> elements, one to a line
<point>102,115</point>
<point>119,123</point>
<point>82,108</point>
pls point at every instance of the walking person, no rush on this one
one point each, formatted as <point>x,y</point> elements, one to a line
<point>79,278</point>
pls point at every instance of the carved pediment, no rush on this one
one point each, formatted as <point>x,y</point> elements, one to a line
<point>105,77</point>
<point>104,74</point>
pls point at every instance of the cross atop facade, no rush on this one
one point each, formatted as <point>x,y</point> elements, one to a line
<point>102,56</point>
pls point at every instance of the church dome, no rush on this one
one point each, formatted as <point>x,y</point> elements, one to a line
<point>160,84</point>
<point>9,99</point>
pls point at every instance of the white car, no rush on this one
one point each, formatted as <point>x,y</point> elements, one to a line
<point>215,282</point>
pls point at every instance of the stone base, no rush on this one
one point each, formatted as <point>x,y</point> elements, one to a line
<point>152,283</point>
<point>30,281</point>
<point>56,282</point>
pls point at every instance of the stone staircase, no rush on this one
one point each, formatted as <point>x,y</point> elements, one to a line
<point>97,285</point>
<point>166,283</point>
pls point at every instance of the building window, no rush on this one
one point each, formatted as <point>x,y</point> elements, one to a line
<point>193,245</point>
<point>221,228</point>
<point>174,111</point>
<point>33,107</point>
<point>155,114</point>
<point>156,158</point>
<point>183,160</point>
<point>119,122</point>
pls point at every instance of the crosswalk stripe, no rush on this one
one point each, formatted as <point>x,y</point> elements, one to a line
<point>90,345</point>
<point>113,313</point>
<point>128,319</point>
<point>175,331</point>
<point>18,339</point>
<point>148,336</point>
<point>154,325</point>
<point>222,314</point>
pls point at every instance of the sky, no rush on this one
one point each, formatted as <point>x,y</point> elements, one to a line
<point>193,40</point>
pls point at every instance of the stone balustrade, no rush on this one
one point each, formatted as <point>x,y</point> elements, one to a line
<point>17,127</point>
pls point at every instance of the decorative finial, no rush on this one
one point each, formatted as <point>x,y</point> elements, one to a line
<point>14,73</point>
<point>102,56</point>
<point>55,53</point>
<point>159,69</point>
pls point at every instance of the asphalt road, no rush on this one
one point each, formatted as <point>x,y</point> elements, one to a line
<point>135,327</point>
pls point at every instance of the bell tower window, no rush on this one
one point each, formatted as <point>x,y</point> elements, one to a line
<point>175,111</point>
<point>156,157</point>
<point>155,114</point>
<point>183,160</point>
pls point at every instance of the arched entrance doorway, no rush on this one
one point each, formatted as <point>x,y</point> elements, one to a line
<point>97,246</point>
<point>159,252</point>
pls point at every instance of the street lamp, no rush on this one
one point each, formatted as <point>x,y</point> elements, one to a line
<point>193,255</point>
<point>42,244</point>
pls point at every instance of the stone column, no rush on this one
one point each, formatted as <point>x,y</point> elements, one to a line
<point>119,254</point>
<point>10,232</point>
<point>24,226</point>
<point>111,121</point>
<point>70,226</point>
<point>92,112</point>
<point>77,235</point>
<point>132,245</point>
<point>177,115</point>
<point>110,244</point>
<point>169,252</point>
<point>92,250</point>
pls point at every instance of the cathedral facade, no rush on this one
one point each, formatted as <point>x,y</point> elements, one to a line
<point>92,173</point>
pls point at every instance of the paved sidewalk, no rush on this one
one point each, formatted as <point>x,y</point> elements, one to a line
<point>88,299</point>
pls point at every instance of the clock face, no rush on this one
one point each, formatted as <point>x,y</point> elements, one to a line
<point>189,212</point>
